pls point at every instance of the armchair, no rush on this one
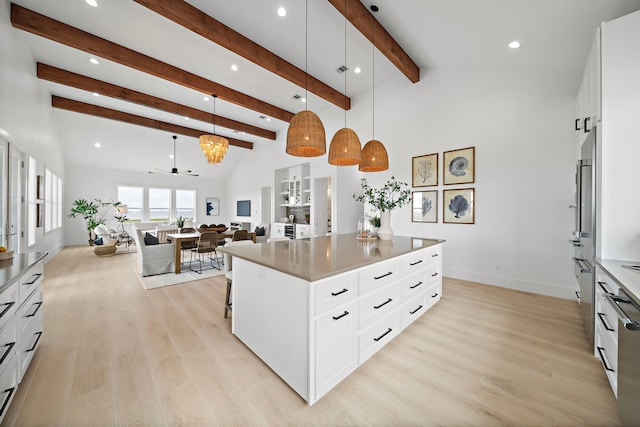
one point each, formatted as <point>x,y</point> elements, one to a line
<point>154,259</point>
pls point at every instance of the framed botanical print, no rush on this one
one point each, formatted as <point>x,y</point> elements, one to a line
<point>424,170</point>
<point>213,206</point>
<point>458,206</point>
<point>424,206</point>
<point>459,166</point>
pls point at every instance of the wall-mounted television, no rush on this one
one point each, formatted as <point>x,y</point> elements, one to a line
<point>243,208</point>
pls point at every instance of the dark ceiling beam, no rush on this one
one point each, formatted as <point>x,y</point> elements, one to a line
<point>67,78</point>
<point>182,13</point>
<point>361,18</point>
<point>108,113</point>
<point>57,31</point>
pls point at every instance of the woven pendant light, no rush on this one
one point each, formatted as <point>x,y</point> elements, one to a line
<point>306,136</point>
<point>374,155</point>
<point>214,146</point>
<point>345,144</point>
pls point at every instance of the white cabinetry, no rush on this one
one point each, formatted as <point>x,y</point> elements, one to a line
<point>303,231</point>
<point>350,315</point>
<point>293,194</point>
<point>20,328</point>
<point>277,229</point>
<point>589,95</point>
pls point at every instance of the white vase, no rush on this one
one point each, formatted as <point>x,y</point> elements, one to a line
<point>385,232</point>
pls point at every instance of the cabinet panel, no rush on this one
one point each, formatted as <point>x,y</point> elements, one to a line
<point>336,347</point>
<point>8,343</point>
<point>377,275</point>
<point>8,385</point>
<point>334,292</point>
<point>378,304</point>
<point>375,337</point>
<point>8,303</point>
<point>30,281</point>
<point>413,309</point>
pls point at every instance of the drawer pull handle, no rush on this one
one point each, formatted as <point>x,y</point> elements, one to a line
<point>434,255</point>
<point>384,275</point>
<point>414,311</point>
<point>383,304</point>
<point>383,335</point>
<point>8,306</point>
<point>415,263</point>
<point>7,351</point>
<point>604,362</point>
<point>606,291</point>
<point>33,279</point>
<point>7,399</point>
<point>416,285</point>
<point>434,295</point>
<point>601,316</point>
<point>434,274</point>
<point>39,334</point>
<point>39,304</point>
<point>335,294</point>
<point>341,316</point>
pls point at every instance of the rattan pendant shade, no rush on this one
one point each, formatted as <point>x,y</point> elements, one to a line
<point>213,146</point>
<point>306,136</point>
<point>374,157</point>
<point>345,148</point>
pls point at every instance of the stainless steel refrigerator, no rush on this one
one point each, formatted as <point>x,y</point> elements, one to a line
<point>585,230</point>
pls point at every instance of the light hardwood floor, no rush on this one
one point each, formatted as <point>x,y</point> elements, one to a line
<point>116,354</point>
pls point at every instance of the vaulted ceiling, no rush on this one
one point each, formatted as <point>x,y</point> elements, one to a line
<point>158,60</point>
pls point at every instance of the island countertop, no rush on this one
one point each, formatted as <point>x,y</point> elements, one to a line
<point>316,258</point>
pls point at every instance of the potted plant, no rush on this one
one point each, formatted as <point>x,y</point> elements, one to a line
<point>180,221</point>
<point>393,194</point>
<point>89,212</point>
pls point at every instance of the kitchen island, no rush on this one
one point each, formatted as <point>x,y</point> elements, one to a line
<point>315,309</point>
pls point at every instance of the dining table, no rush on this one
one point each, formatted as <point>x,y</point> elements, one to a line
<point>178,238</point>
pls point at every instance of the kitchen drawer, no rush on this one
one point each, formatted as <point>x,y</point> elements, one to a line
<point>604,284</point>
<point>28,344</point>
<point>434,293</point>
<point>335,291</point>
<point>377,275</point>
<point>8,385</point>
<point>375,337</point>
<point>30,314</point>
<point>418,260</point>
<point>413,285</point>
<point>378,305</point>
<point>30,281</point>
<point>413,309</point>
<point>607,351</point>
<point>8,303</point>
<point>8,343</point>
<point>606,318</point>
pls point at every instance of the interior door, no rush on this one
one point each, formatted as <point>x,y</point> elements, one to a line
<point>321,206</point>
<point>15,224</point>
<point>265,205</point>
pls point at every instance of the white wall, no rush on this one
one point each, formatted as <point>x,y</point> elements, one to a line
<point>521,129</point>
<point>26,114</point>
<point>92,183</point>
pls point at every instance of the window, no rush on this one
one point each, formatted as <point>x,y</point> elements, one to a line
<point>31,200</point>
<point>132,197</point>
<point>186,204</point>
<point>52,201</point>
<point>59,202</point>
<point>159,204</point>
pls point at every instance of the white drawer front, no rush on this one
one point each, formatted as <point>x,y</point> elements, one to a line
<point>377,275</point>
<point>8,385</point>
<point>413,309</point>
<point>378,305</point>
<point>606,318</point>
<point>335,291</point>
<point>376,336</point>
<point>607,352</point>
<point>30,281</point>
<point>413,262</point>
<point>8,343</point>
<point>8,303</point>
<point>413,285</point>
<point>434,293</point>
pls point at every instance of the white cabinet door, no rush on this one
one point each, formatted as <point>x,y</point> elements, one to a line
<point>302,231</point>
<point>277,230</point>
<point>336,347</point>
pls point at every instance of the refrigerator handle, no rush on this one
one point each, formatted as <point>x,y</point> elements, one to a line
<point>578,262</point>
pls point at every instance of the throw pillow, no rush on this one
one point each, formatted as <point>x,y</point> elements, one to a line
<point>150,239</point>
<point>259,231</point>
<point>98,241</point>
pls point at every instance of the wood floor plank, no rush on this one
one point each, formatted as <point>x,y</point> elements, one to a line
<point>116,354</point>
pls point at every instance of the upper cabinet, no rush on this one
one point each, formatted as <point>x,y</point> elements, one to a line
<point>588,101</point>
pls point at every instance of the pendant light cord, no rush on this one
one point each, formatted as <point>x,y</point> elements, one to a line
<point>373,77</point>
<point>214,113</point>
<point>345,63</point>
<point>306,54</point>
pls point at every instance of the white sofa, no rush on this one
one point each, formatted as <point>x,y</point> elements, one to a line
<point>153,259</point>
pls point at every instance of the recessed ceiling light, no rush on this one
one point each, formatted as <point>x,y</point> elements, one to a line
<point>303,99</point>
<point>171,156</point>
<point>268,119</point>
<point>357,70</point>
<point>206,98</point>
<point>94,61</point>
<point>514,44</point>
<point>93,3</point>
<point>282,12</point>
<point>234,67</point>
<point>97,145</point>
<point>95,94</point>
<point>186,118</point>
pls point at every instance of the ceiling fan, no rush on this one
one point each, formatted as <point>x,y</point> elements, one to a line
<point>174,170</point>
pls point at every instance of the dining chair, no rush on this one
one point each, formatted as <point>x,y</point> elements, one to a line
<point>240,235</point>
<point>207,244</point>
<point>187,246</point>
<point>228,273</point>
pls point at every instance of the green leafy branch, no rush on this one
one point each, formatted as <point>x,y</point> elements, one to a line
<point>393,194</point>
